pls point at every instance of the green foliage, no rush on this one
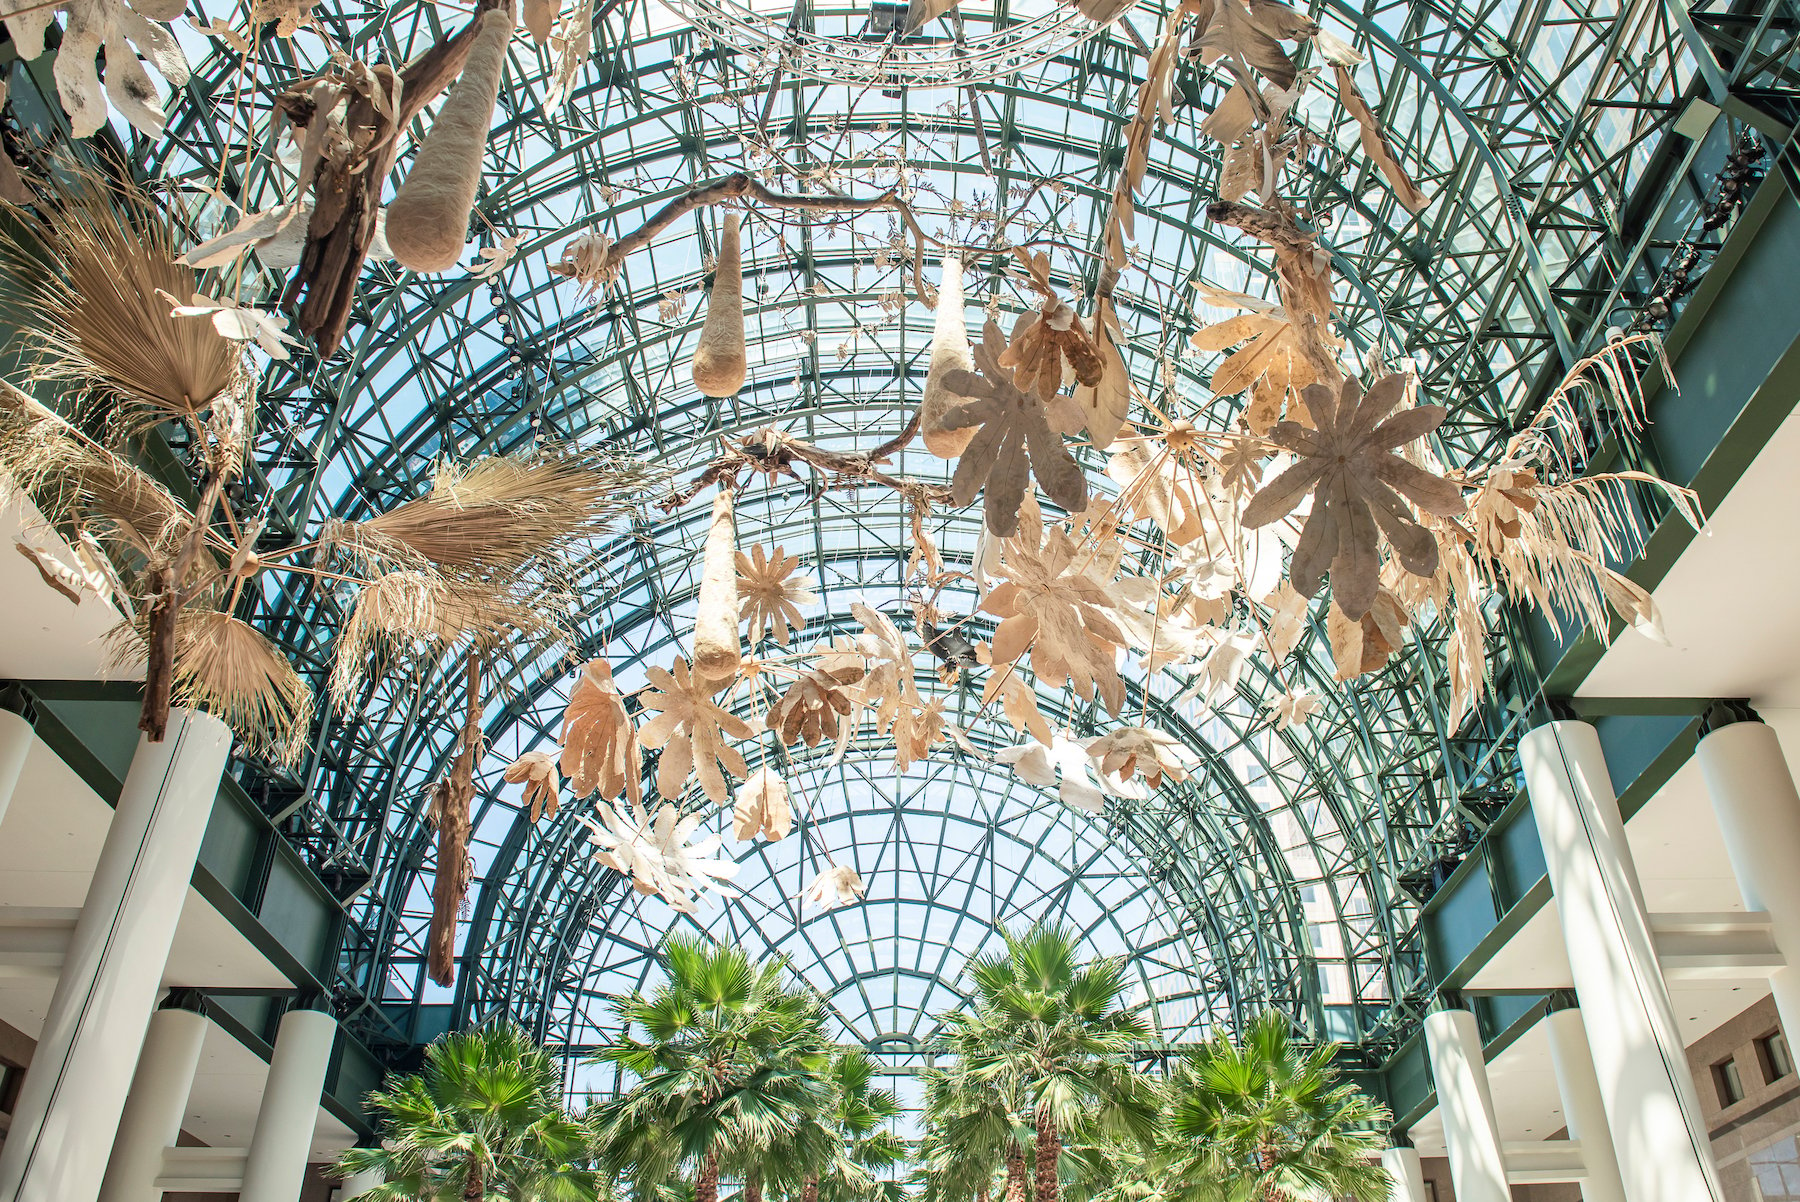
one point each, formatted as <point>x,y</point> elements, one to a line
<point>1264,1120</point>
<point>482,1120</point>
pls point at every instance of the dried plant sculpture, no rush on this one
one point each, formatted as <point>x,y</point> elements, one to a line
<point>658,854</point>
<point>396,612</point>
<point>719,360</point>
<point>691,730</point>
<point>1347,463</point>
<point>536,770</point>
<point>131,36</point>
<point>813,708</point>
<point>717,648</point>
<point>600,747</point>
<point>772,594</point>
<point>761,808</point>
<point>1048,337</point>
<point>230,669</point>
<point>949,352</point>
<point>839,885</point>
<point>1375,142</point>
<point>1064,763</point>
<point>452,803</point>
<point>1015,439</point>
<point>1144,752</point>
<point>1270,361</point>
<point>428,220</point>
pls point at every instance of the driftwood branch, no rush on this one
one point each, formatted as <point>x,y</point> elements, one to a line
<point>775,454</point>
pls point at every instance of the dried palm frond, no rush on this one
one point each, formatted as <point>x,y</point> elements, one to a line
<point>227,668</point>
<point>496,515</point>
<point>88,268</point>
<point>399,608</point>
<point>1609,376</point>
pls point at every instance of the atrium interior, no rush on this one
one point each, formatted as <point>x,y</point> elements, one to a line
<point>522,510</point>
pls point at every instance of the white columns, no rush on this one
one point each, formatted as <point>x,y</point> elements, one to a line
<point>68,1109</point>
<point>361,1183</point>
<point>1477,1158</point>
<point>1403,1166</point>
<point>1759,814</point>
<point>154,1109</point>
<point>16,738</point>
<point>290,1107</point>
<point>1653,1110</point>
<point>1582,1106</point>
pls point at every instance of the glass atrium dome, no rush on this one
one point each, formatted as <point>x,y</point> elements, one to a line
<point>1284,869</point>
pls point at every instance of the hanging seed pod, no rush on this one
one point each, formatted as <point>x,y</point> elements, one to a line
<point>428,222</point>
<point>719,362</point>
<point>716,656</point>
<point>949,352</point>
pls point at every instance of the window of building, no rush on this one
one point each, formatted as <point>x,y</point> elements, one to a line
<point>1727,1082</point>
<point>1772,1053</point>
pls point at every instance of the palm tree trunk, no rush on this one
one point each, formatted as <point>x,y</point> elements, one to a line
<point>1048,1151</point>
<point>809,1191</point>
<point>474,1185</point>
<point>706,1189</point>
<point>753,1188</point>
<point>1015,1172</point>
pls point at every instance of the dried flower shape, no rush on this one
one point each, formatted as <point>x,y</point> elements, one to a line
<point>1015,440</point>
<point>600,745</point>
<point>659,855</point>
<point>1288,612</point>
<point>1357,483</point>
<point>916,729</point>
<point>1156,485</point>
<point>1144,752</point>
<point>1058,602</point>
<point>1224,667</point>
<point>762,808</point>
<point>1360,645</point>
<point>770,595</point>
<point>949,352</point>
<point>1018,701</point>
<point>814,706</point>
<point>588,260</point>
<point>1045,337</point>
<point>692,730</point>
<point>1063,762</point>
<point>1293,708</point>
<point>536,770</point>
<point>1499,508</point>
<point>837,886</point>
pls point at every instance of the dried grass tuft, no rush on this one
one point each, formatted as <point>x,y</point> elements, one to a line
<point>227,668</point>
<point>495,516</point>
<point>88,267</point>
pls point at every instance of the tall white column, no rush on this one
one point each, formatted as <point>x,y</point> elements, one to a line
<point>69,1106</point>
<point>1758,808</point>
<point>290,1107</point>
<point>1652,1108</point>
<point>16,738</point>
<point>1466,1105</point>
<point>154,1108</point>
<point>357,1184</point>
<point>1403,1166</point>
<point>1582,1105</point>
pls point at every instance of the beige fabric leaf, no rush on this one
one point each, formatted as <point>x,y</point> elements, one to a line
<point>1375,143</point>
<point>600,747</point>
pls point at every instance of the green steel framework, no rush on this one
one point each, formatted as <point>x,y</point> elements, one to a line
<point>1288,870</point>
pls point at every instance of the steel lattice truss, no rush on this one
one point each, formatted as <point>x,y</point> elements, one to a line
<point>1271,876</point>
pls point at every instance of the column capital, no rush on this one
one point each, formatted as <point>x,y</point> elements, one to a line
<point>1562,999</point>
<point>1727,711</point>
<point>182,998</point>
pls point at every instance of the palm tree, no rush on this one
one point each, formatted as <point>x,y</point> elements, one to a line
<point>483,1118</point>
<point>1053,1025</point>
<point>971,1131</point>
<point>839,1150</point>
<point>1266,1120</point>
<point>729,1064</point>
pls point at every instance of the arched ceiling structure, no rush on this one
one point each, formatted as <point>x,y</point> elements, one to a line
<point>1271,875</point>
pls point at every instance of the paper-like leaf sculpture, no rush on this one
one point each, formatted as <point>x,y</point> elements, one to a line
<point>717,652</point>
<point>720,363</point>
<point>837,886</point>
<point>949,352</point>
<point>1347,463</point>
<point>770,594</point>
<point>1044,338</point>
<point>1015,440</point>
<point>130,37</point>
<point>428,221</point>
<point>1293,708</point>
<point>691,729</point>
<point>536,770</point>
<point>600,746</point>
<point>762,808</point>
<point>1142,751</point>
<point>658,854</point>
<point>1064,763</point>
<point>815,706</point>
<point>1375,143</point>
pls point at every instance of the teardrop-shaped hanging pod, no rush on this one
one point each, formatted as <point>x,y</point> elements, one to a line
<point>949,352</point>
<point>719,361</point>
<point>716,648</point>
<point>428,222</point>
